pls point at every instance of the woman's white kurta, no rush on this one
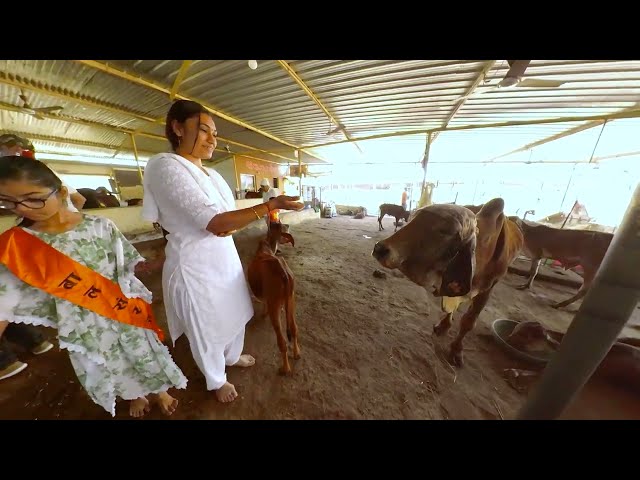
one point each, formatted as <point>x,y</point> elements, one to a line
<point>205,292</point>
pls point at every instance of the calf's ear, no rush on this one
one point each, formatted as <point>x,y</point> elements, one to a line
<point>287,238</point>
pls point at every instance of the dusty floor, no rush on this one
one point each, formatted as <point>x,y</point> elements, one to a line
<point>367,349</point>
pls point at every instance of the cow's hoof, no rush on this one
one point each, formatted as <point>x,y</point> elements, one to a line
<point>522,287</point>
<point>285,371</point>
<point>456,359</point>
<point>440,329</point>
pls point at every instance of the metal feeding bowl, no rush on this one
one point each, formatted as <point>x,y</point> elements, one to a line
<point>502,328</point>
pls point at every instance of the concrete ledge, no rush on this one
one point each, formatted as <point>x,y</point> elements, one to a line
<point>128,219</point>
<point>559,277</point>
<point>152,249</point>
<point>259,227</point>
<point>248,202</point>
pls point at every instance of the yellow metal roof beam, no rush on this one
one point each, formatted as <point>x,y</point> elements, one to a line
<point>79,121</point>
<point>212,163</point>
<point>617,155</point>
<point>292,73</point>
<point>220,139</point>
<point>58,92</point>
<point>558,136</point>
<point>42,153</point>
<point>146,83</point>
<point>255,149</point>
<point>181,74</point>
<point>51,138</point>
<point>247,154</point>
<point>149,135</point>
<point>103,67</point>
<point>87,123</point>
<point>225,140</point>
<point>73,163</point>
<point>261,159</point>
<point>513,123</point>
<point>463,162</point>
<point>459,104</point>
<point>135,153</point>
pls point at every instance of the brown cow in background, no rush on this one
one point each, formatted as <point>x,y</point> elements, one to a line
<point>570,247</point>
<point>397,211</point>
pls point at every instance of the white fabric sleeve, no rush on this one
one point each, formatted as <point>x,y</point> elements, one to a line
<point>177,193</point>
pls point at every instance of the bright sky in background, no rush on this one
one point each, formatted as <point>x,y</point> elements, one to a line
<point>456,165</point>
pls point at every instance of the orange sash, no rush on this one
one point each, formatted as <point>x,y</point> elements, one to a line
<point>42,266</point>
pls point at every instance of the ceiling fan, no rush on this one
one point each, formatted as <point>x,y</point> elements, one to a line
<point>515,77</point>
<point>36,112</point>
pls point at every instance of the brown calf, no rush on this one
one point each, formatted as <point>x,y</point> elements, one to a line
<point>570,247</point>
<point>397,211</point>
<point>456,255</point>
<point>273,284</point>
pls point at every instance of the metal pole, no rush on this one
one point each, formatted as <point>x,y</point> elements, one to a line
<point>135,152</point>
<point>569,214</point>
<point>299,173</point>
<point>566,190</point>
<point>573,171</point>
<point>235,170</point>
<point>605,310</point>
<point>425,161</point>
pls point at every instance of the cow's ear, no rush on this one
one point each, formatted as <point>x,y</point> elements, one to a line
<point>458,276</point>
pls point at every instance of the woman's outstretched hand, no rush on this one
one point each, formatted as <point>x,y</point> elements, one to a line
<point>285,202</point>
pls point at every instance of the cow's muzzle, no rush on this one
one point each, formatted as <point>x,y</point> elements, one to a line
<point>380,251</point>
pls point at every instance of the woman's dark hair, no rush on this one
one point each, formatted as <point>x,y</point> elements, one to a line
<point>16,168</point>
<point>180,111</point>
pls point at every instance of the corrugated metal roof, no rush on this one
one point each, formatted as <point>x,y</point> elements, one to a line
<point>80,82</point>
<point>589,88</point>
<point>56,128</point>
<point>11,95</point>
<point>369,97</point>
<point>266,98</point>
<point>269,99</point>
<point>70,149</point>
<point>158,70</point>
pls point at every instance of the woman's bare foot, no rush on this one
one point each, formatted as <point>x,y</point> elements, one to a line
<point>167,403</point>
<point>138,407</point>
<point>245,361</point>
<point>226,393</point>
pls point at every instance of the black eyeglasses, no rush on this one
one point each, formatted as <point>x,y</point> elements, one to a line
<point>32,203</point>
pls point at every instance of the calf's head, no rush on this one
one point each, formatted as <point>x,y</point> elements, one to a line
<point>277,234</point>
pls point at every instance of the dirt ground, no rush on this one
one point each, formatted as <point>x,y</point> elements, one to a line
<point>368,351</point>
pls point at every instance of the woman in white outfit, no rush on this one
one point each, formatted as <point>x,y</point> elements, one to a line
<point>205,292</point>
